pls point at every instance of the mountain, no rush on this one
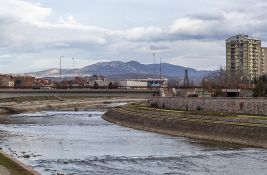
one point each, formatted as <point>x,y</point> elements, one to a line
<point>124,70</point>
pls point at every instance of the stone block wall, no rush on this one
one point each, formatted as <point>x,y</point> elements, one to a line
<point>254,106</point>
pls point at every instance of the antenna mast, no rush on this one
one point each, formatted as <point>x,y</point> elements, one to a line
<point>60,73</point>
<point>154,72</point>
<point>186,79</point>
<point>160,69</point>
<point>73,69</point>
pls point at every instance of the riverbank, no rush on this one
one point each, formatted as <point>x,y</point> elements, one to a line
<point>16,107</point>
<point>10,165</point>
<point>223,127</point>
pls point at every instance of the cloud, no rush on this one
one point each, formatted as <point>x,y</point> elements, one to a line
<point>5,56</point>
<point>70,20</point>
<point>159,48</point>
<point>23,11</point>
<point>27,32</point>
<point>208,16</point>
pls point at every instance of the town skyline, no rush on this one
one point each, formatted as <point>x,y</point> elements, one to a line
<point>102,31</point>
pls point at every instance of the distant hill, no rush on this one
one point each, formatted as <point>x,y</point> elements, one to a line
<point>122,70</point>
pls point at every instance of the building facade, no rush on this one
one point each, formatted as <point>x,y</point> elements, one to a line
<point>264,60</point>
<point>244,56</point>
<point>24,81</point>
<point>6,81</point>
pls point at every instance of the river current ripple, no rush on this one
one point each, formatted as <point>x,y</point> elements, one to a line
<point>82,143</point>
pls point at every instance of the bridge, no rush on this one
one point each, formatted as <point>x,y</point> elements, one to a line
<point>139,93</point>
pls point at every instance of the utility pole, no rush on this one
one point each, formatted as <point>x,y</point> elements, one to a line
<point>160,73</point>
<point>60,73</point>
<point>73,69</point>
<point>154,72</point>
<point>186,79</point>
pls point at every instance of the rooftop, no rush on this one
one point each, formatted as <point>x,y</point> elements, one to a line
<point>241,37</point>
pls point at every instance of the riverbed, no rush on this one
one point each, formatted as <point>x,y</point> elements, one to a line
<point>81,142</point>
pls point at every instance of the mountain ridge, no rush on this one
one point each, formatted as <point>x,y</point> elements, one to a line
<point>122,69</point>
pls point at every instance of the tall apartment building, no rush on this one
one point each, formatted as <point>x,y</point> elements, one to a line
<point>264,60</point>
<point>244,55</point>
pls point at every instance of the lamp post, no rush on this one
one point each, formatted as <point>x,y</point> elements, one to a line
<point>160,73</point>
<point>154,55</point>
<point>73,69</point>
<point>60,67</point>
<point>160,69</point>
<point>205,85</point>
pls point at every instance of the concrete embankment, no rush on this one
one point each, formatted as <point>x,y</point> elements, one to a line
<point>239,129</point>
<point>11,166</point>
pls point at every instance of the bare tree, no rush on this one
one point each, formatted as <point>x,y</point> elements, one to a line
<point>260,89</point>
<point>218,80</point>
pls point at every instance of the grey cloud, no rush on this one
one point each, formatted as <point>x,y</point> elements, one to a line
<point>208,16</point>
<point>158,48</point>
<point>5,20</point>
<point>46,39</point>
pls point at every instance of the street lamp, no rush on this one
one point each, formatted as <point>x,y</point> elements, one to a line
<point>60,73</point>
<point>73,69</point>
<point>154,55</point>
<point>204,85</point>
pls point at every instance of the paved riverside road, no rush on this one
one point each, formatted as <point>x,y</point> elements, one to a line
<point>7,93</point>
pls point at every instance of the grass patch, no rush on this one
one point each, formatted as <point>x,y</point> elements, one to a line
<point>144,111</point>
<point>204,113</point>
<point>12,167</point>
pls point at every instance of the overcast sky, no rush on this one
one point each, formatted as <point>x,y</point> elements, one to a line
<point>35,33</point>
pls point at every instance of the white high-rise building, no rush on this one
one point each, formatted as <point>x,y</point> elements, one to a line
<point>264,61</point>
<point>244,55</point>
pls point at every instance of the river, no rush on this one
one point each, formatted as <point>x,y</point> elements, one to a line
<point>83,143</point>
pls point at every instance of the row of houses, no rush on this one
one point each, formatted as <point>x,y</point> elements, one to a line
<point>10,81</point>
<point>95,81</point>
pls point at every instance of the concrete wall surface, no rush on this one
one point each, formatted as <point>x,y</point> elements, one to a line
<point>5,93</point>
<point>254,106</point>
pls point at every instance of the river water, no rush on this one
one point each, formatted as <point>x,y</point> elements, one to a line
<point>82,143</point>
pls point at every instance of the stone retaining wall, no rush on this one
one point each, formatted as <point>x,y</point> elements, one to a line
<point>254,106</point>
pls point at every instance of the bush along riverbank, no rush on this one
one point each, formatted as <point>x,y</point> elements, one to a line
<point>231,128</point>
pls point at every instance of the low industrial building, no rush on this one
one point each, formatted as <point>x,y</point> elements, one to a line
<point>145,82</point>
<point>133,84</point>
<point>98,83</point>
<point>24,82</point>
